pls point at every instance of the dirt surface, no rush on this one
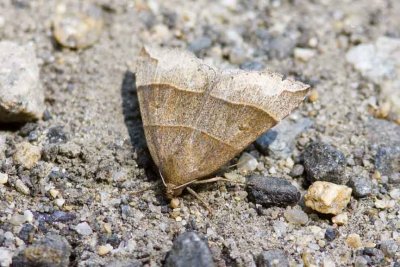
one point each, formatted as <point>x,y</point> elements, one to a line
<point>94,152</point>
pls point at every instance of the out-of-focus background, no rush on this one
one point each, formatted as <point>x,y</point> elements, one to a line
<point>72,149</point>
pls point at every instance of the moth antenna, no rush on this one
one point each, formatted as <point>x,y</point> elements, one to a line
<point>162,178</point>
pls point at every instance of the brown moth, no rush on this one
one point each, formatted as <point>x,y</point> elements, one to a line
<point>196,118</point>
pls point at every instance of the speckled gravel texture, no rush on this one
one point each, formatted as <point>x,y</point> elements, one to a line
<point>94,153</point>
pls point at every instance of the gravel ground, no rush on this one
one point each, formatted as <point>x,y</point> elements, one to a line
<point>78,197</point>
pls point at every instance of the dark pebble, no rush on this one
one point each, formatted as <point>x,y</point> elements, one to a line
<point>272,191</point>
<point>26,233</point>
<point>27,128</point>
<point>47,115</point>
<point>376,255</point>
<point>362,186</point>
<point>271,258</point>
<point>331,234</point>
<point>189,250</point>
<point>387,162</point>
<point>57,216</point>
<point>57,135</point>
<point>323,162</point>
<point>51,251</point>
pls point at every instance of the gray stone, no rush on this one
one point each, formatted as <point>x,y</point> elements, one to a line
<point>200,44</point>
<point>380,62</point>
<point>21,93</point>
<point>323,162</point>
<point>189,250</point>
<point>387,135</point>
<point>296,216</point>
<point>280,47</point>
<point>375,255</point>
<point>387,162</point>
<point>83,229</point>
<point>280,141</point>
<point>297,170</point>
<point>252,65</point>
<point>3,147</point>
<point>272,258</point>
<point>389,248</point>
<point>272,191</point>
<point>362,186</point>
<point>360,261</point>
<point>51,251</point>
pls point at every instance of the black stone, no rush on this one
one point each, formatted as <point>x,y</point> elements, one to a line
<point>331,234</point>
<point>272,258</point>
<point>323,162</point>
<point>56,134</point>
<point>272,191</point>
<point>189,250</point>
<point>376,255</point>
<point>51,251</point>
<point>26,232</point>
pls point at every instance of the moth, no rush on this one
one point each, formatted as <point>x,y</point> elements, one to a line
<point>196,117</point>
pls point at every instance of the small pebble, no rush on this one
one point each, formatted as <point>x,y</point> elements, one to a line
<point>328,198</point>
<point>394,193</point>
<point>54,193</point>
<point>330,234</point>
<point>189,249</point>
<point>27,155</point>
<point>3,178</point>
<point>296,216</point>
<point>362,186</point>
<point>297,170</point>
<point>384,203</point>
<point>273,257</point>
<point>21,187</point>
<point>77,25</point>
<point>83,229</point>
<point>174,203</point>
<point>303,54</point>
<point>107,228</point>
<point>354,241</point>
<point>389,248</point>
<point>28,216</point>
<point>60,202</point>
<point>5,257</point>
<point>341,219</point>
<point>247,163</point>
<point>104,249</point>
<point>313,96</point>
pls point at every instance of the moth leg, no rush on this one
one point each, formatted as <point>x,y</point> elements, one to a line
<point>211,180</point>
<point>191,191</point>
<point>216,179</point>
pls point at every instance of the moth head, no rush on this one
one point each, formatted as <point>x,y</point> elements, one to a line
<point>173,191</point>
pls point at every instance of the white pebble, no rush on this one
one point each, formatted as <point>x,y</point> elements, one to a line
<point>28,215</point>
<point>83,229</point>
<point>60,202</point>
<point>3,178</point>
<point>5,257</point>
<point>303,54</point>
<point>247,163</point>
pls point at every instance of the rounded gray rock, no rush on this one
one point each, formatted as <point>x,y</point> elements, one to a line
<point>361,186</point>
<point>272,258</point>
<point>189,250</point>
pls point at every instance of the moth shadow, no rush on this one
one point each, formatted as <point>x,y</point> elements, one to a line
<point>133,122</point>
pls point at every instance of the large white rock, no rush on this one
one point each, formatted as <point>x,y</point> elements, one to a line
<point>21,93</point>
